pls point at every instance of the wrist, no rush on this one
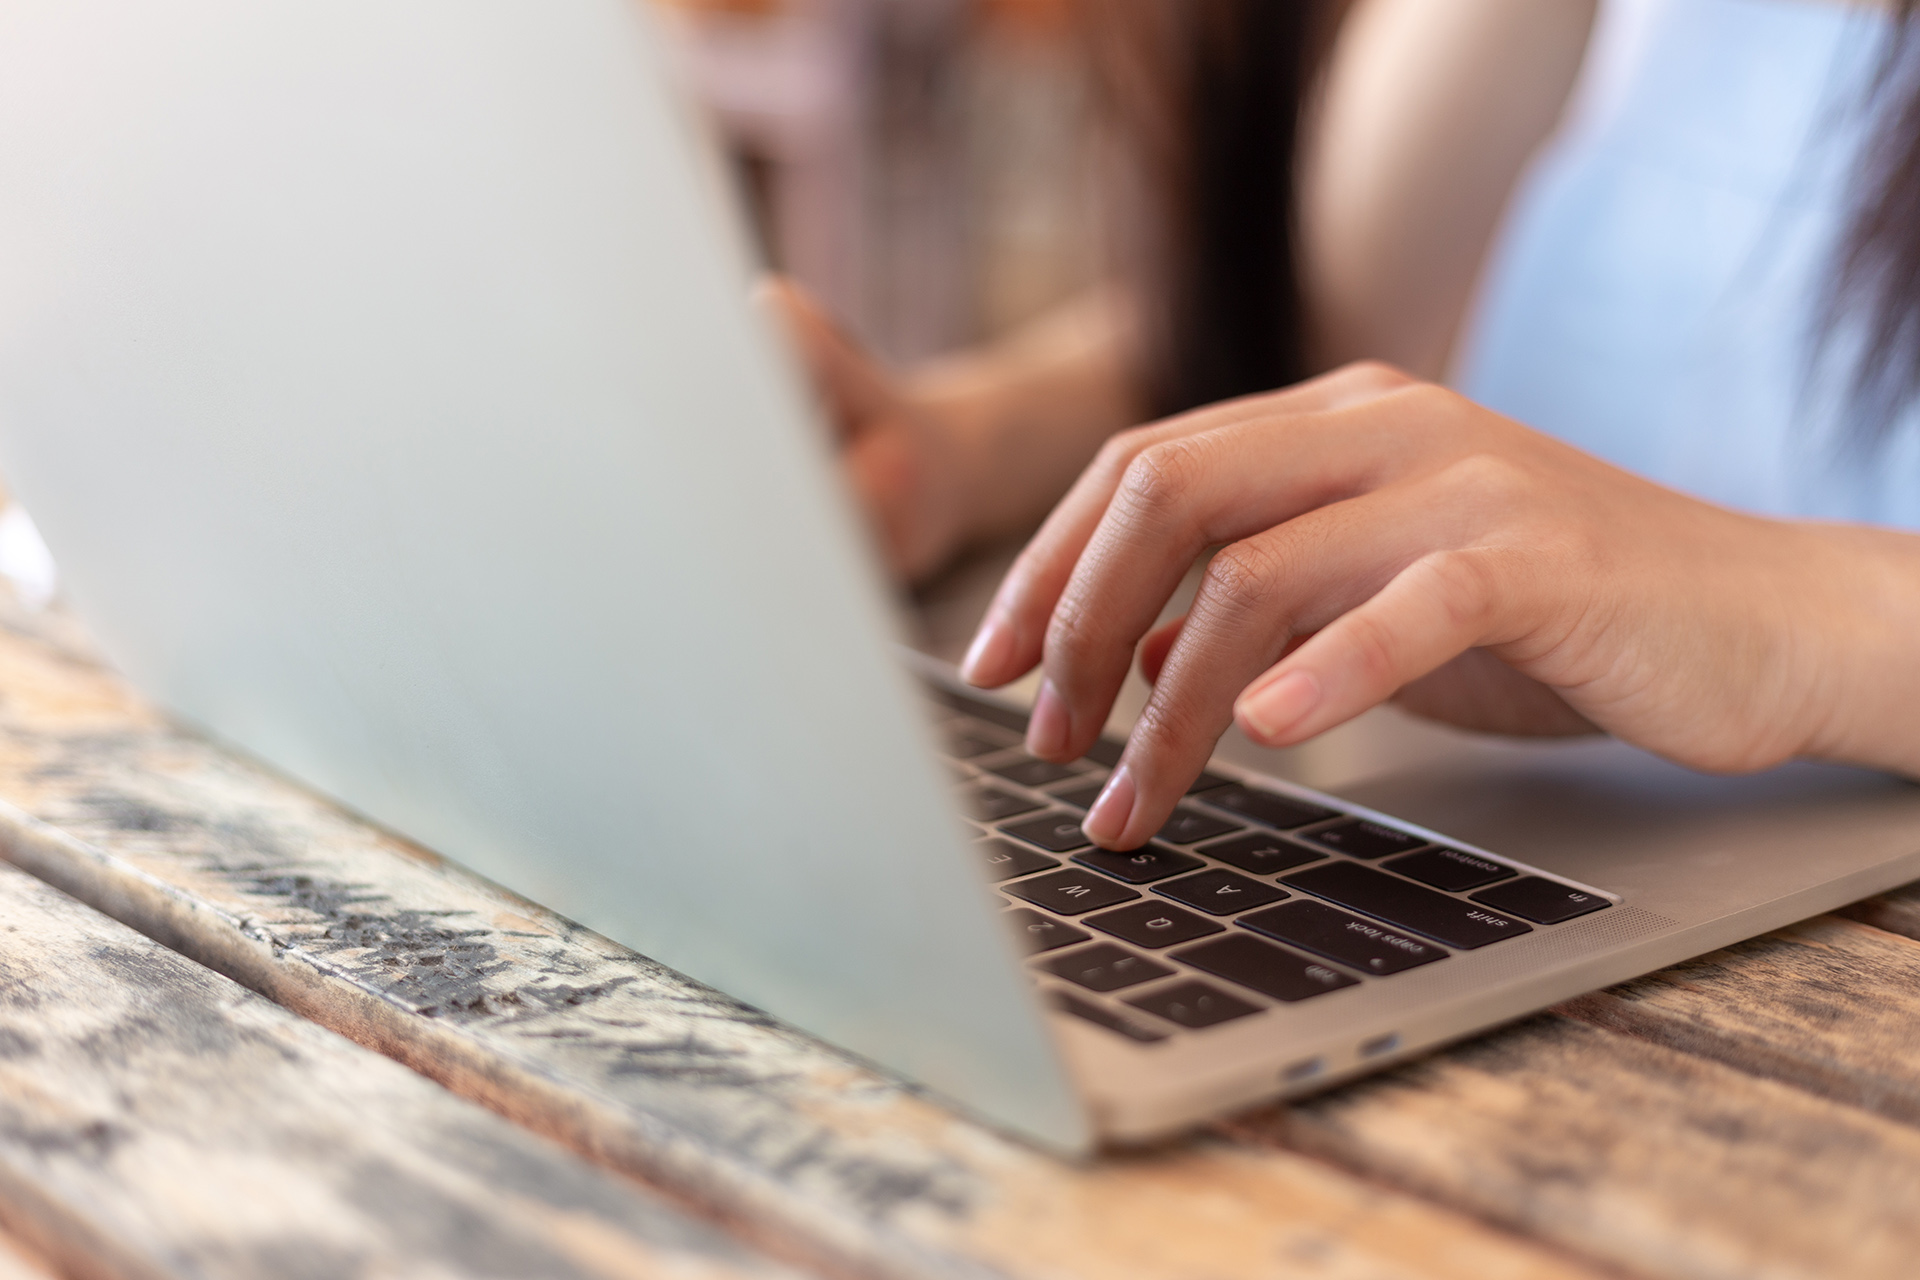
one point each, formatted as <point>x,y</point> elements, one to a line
<point>1861,632</point>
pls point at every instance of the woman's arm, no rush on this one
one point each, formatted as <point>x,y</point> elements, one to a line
<point>1380,535</point>
<point>979,444</point>
<point>1428,115</point>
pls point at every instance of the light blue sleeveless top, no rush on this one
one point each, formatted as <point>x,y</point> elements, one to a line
<point>1653,293</point>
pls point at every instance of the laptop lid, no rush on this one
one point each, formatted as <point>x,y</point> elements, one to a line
<point>381,374</point>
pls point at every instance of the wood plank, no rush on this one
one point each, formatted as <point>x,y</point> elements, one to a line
<point>627,1061</point>
<point>1896,912</point>
<point>1655,1161</point>
<point>1829,1006</point>
<point>159,1120</point>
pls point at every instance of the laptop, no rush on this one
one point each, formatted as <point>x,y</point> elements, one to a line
<point>382,375</point>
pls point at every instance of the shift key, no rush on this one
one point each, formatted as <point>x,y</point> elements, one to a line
<point>1465,925</point>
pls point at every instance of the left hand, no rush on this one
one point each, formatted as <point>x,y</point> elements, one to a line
<point>1381,536</point>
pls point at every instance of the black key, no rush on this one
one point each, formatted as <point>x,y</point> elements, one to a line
<point>1071,892</point>
<point>1541,901</point>
<point>1375,893</point>
<point>1101,1016</point>
<point>1105,751</point>
<point>1105,967</point>
<point>1154,924</point>
<point>990,804</point>
<point>1207,782</point>
<point>1365,839</point>
<point>1263,967</point>
<point>1361,944</point>
<point>1005,859</point>
<point>1033,773</point>
<point>1054,832</point>
<point>1039,933</point>
<point>1193,1004</point>
<point>1268,809</point>
<point>1221,893</point>
<point>1190,826</point>
<point>1080,797</point>
<point>968,742</point>
<point>1262,855</point>
<point>1449,869</point>
<point>981,709</point>
<point>1139,866</point>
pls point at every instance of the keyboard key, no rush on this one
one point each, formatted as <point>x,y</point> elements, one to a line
<point>1033,773</point>
<point>1005,859</point>
<point>1262,855</point>
<point>1260,966</point>
<point>1207,782</point>
<point>1102,1016</point>
<point>1221,893</point>
<point>1193,1004</point>
<point>1070,892</point>
<point>1365,839</point>
<point>1268,809</point>
<point>990,804</point>
<point>1105,751</point>
<point>1190,826</point>
<point>1139,866</point>
<point>1154,924</point>
<point>1054,832</point>
<point>1360,944</point>
<point>1451,869</point>
<point>966,741</point>
<point>1080,797</point>
<point>1375,893</point>
<point>1105,967</point>
<point>1541,901</point>
<point>1039,933</point>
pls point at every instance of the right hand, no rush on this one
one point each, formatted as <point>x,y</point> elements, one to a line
<point>906,460</point>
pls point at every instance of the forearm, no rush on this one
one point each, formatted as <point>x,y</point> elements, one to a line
<point>1030,410</point>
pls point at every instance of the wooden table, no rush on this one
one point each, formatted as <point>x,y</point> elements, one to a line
<point>204,1053</point>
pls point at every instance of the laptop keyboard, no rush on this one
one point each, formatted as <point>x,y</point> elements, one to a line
<point>1245,900</point>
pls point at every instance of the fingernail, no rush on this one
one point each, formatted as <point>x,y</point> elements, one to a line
<point>1047,726</point>
<point>1108,817</point>
<point>1277,707</point>
<point>989,650</point>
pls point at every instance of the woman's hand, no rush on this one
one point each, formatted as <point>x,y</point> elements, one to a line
<point>1380,536</point>
<point>907,461</point>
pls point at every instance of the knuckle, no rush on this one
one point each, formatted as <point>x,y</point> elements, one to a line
<point>1377,375</point>
<point>1371,643</point>
<point>1074,633</point>
<point>1122,447</point>
<point>1160,478</point>
<point>1240,578</point>
<point>1489,478</point>
<point>1464,584</point>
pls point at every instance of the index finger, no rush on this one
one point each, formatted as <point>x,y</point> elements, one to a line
<point>1010,639</point>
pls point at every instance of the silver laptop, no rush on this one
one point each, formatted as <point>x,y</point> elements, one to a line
<point>382,375</point>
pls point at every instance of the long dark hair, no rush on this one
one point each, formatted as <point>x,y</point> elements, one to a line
<point>1875,282</point>
<point>1209,94</point>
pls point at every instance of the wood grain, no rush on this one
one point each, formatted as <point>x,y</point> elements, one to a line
<point>1829,1005</point>
<point>1896,912</point>
<point>1656,1161</point>
<point>158,1120</point>
<point>789,1142</point>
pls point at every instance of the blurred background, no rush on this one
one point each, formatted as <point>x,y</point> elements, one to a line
<point>928,168</point>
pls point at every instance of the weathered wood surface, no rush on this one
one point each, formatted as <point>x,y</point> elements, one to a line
<point>786,1140</point>
<point>159,1120</point>
<point>1748,1114</point>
